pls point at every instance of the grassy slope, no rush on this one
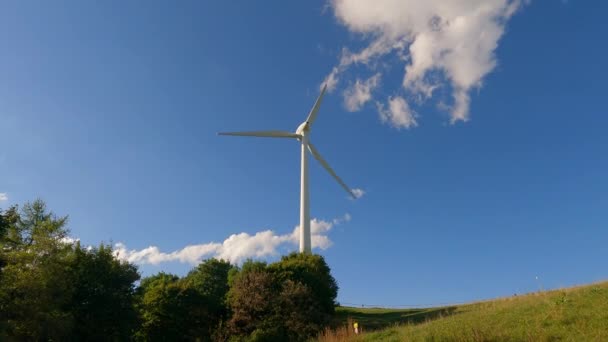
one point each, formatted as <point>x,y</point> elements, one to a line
<point>574,314</point>
<point>378,318</point>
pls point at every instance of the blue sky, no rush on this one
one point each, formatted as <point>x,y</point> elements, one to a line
<point>109,112</point>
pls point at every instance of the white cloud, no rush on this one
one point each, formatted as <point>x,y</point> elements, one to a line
<point>360,93</point>
<point>339,220</point>
<point>3,196</point>
<point>152,255</point>
<point>318,232</point>
<point>331,80</point>
<point>454,39</point>
<point>398,114</point>
<point>236,248</point>
<point>69,240</point>
<point>358,192</point>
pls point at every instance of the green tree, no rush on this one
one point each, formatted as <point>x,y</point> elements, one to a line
<point>312,271</point>
<point>161,277</point>
<point>308,294</point>
<point>292,299</point>
<point>34,287</point>
<point>210,279</point>
<point>103,295</point>
<point>172,310</point>
<point>8,220</point>
<point>53,289</point>
<point>300,312</point>
<point>254,303</point>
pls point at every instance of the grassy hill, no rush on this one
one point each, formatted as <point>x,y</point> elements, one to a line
<point>572,314</point>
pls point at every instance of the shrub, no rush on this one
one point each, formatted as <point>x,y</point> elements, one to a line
<point>292,299</point>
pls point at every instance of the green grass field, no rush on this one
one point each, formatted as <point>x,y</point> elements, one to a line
<point>572,314</point>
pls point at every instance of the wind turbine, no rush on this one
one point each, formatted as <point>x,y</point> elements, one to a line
<point>302,134</point>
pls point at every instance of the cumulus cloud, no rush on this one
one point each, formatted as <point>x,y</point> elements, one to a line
<point>331,80</point>
<point>360,92</point>
<point>3,196</point>
<point>69,240</point>
<point>236,248</point>
<point>318,232</point>
<point>398,113</point>
<point>339,220</point>
<point>454,40</point>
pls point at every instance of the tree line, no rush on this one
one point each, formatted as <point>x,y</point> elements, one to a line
<point>55,289</point>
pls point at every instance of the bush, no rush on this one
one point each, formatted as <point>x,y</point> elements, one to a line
<point>292,299</point>
<point>252,299</point>
<point>210,279</point>
<point>171,309</point>
<point>312,271</point>
<point>53,289</point>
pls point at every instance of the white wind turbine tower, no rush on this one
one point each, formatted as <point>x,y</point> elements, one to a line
<point>302,134</point>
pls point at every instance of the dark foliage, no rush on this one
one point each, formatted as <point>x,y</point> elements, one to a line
<point>292,299</point>
<point>53,289</point>
<point>103,295</point>
<point>172,311</point>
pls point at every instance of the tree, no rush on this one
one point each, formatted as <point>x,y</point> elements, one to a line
<point>161,277</point>
<point>299,311</point>
<point>292,299</point>
<point>312,271</point>
<point>53,289</point>
<point>103,295</point>
<point>308,294</point>
<point>8,220</point>
<point>172,310</point>
<point>210,279</point>
<point>254,303</point>
<point>34,284</point>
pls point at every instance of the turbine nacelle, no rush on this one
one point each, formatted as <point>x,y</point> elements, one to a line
<point>303,129</point>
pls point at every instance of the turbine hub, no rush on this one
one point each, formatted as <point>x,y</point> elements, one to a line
<point>303,128</point>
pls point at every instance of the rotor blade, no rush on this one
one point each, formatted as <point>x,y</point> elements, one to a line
<point>263,134</point>
<point>315,109</point>
<point>318,157</point>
